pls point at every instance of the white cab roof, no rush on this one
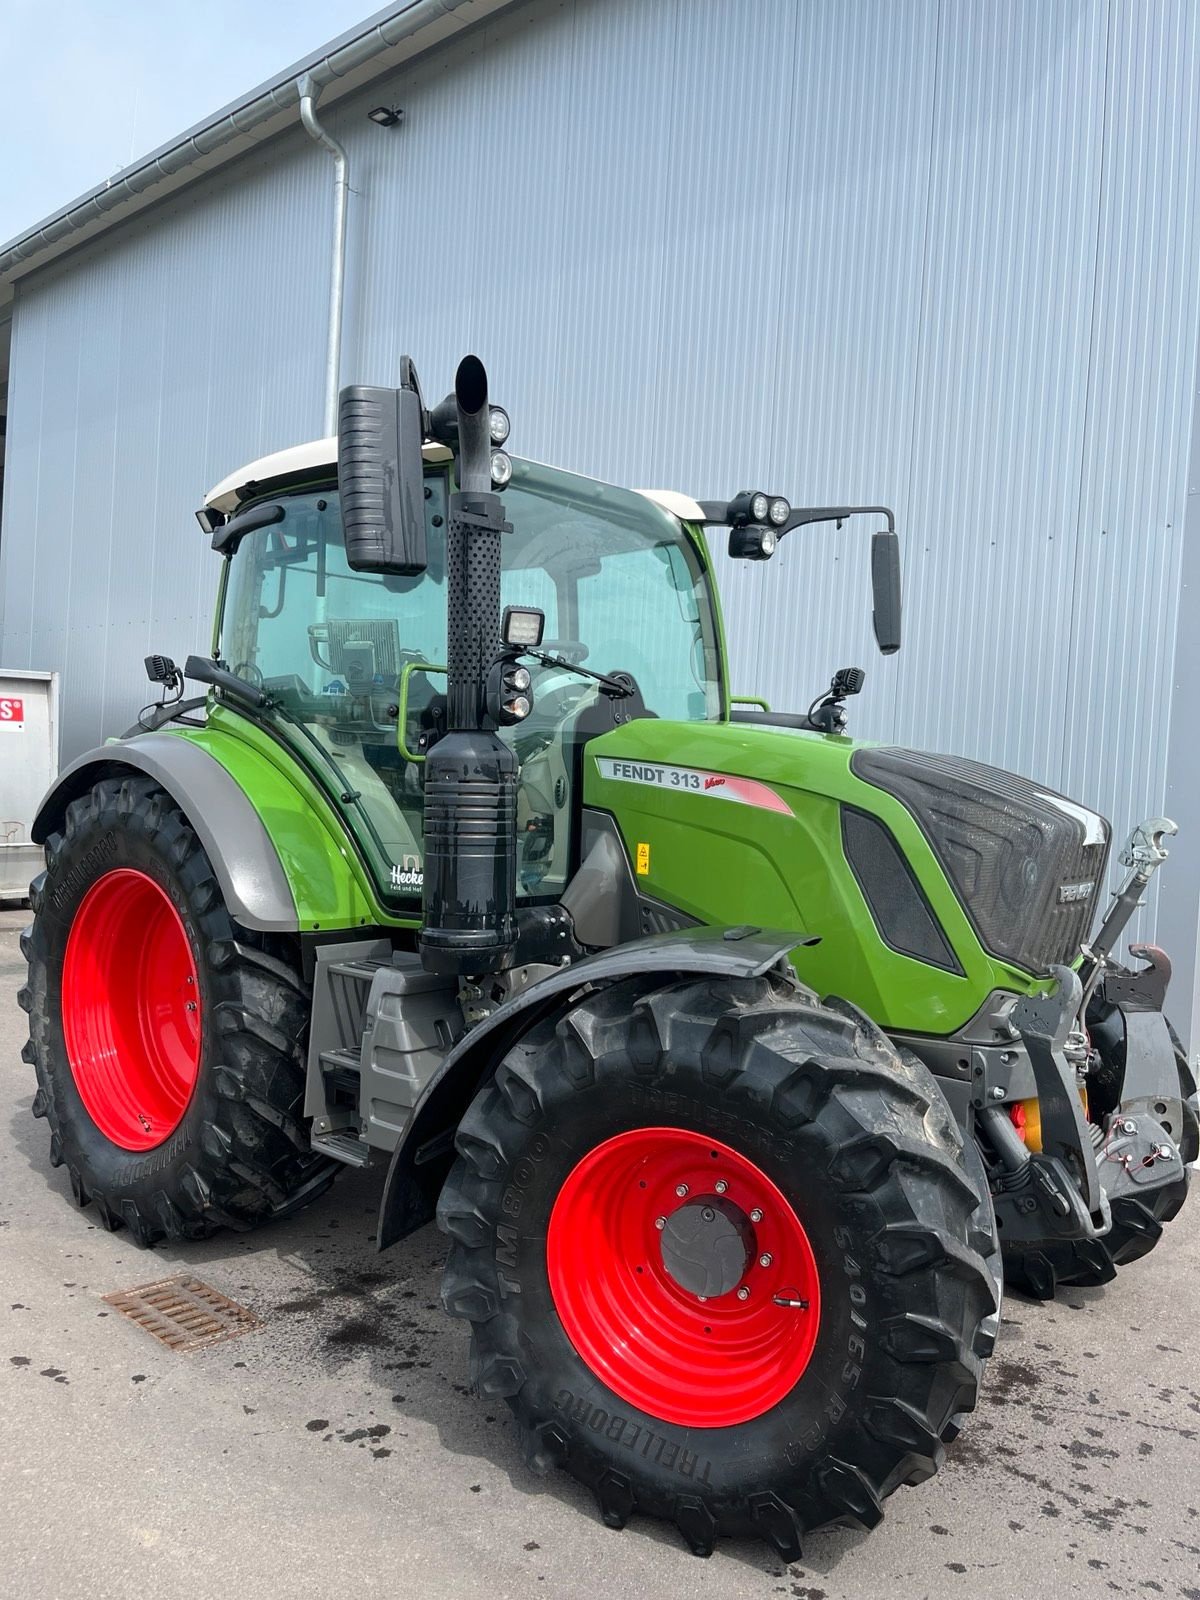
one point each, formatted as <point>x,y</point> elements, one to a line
<point>301,458</point>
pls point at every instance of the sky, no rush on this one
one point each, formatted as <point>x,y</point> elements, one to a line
<point>88,86</point>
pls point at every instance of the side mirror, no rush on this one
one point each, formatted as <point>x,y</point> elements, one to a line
<point>885,588</point>
<point>381,477</point>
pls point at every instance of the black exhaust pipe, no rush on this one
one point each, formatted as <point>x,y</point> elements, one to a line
<point>470,774</point>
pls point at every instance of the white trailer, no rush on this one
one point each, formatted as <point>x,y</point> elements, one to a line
<point>28,765</point>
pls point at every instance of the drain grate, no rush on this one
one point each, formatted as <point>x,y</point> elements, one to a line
<point>183,1313</point>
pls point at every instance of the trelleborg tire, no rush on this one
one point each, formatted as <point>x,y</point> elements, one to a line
<point>588,1169</point>
<point>168,1042</point>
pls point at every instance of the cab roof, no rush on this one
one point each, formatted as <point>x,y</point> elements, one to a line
<point>306,460</point>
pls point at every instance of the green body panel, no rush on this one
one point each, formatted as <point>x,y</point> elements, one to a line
<point>328,880</point>
<point>724,862</point>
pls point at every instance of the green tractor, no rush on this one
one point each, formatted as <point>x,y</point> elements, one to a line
<point>738,1061</point>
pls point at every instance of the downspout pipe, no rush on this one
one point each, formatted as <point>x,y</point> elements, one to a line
<point>309,95</point>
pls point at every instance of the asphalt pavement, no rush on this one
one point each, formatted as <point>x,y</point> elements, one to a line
<point>337,1449</point>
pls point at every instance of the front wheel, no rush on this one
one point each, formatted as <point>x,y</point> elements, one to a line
<point>721,1256</point>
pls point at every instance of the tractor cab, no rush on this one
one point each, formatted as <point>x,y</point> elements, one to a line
<point>353,664</point>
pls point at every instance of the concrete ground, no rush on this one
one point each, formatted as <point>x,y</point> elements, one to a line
<point>337,1450</point>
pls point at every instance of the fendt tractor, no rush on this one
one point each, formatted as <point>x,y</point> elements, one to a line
<point>739,1061</point>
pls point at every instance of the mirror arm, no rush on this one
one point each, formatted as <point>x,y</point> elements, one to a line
<point>805,516</point>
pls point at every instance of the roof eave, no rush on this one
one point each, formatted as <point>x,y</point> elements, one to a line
<point>365,52</point>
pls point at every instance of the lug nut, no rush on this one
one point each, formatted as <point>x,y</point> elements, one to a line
<point>743,1293</point>
<point>765,1260</point>
<point>681,1189</point>
<point>720,1186</point>
<point>660,1223</point>
<point>756,1214</point>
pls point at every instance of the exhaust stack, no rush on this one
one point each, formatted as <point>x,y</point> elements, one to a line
<point>470,774</point>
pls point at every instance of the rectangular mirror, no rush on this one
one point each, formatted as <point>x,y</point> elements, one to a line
<point>381,479</point>
<point>885,587</point>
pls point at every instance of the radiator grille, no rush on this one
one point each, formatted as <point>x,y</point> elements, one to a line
<point>1017,854</point>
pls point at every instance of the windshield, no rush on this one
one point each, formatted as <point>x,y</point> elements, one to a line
<point>623,589</point>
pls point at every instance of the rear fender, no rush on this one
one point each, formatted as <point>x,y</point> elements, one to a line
<point>249,871</point>
<point>425,1152</point>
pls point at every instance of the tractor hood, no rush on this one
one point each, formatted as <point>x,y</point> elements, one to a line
<point>960,869</point>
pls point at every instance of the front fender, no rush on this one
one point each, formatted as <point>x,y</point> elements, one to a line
<point>253,881</point>
<point>425,1152</point>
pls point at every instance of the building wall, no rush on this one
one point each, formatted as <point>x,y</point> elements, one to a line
<point>942,255</point>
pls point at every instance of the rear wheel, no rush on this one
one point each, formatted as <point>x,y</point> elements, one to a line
<point>168,1042</point>
<point>721,1256</point>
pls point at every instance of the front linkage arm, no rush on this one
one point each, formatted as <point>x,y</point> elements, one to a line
<point>1054,1192</point>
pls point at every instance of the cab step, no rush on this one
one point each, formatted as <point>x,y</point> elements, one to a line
<point>342,1146</point>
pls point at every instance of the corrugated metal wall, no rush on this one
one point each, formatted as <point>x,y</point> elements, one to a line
<point>943,254</point>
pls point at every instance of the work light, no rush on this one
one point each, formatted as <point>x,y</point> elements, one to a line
<point>752,544</point>
<point>522,627</point>
<point>759,507</point>
<point>501,469</point>
<point>499,425</point>
<point>779,511</point>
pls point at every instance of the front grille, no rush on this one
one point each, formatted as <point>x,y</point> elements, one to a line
<point>1015,853</point>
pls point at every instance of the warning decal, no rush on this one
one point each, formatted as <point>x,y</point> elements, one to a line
<point>694,780</point>
<point>12,715</point>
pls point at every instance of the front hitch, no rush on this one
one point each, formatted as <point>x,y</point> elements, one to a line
<point>1066,1190</point>
<point>1142,1147</point>
<point>1055,1192</point>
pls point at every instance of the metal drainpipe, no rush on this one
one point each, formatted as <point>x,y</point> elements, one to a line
<point>309,94</point>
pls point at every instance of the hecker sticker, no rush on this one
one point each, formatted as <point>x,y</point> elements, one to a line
<point>694,780</point>
<point>408,873</point>
<point>12,715</point>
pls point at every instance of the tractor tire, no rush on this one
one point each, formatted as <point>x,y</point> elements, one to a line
<point>1137,1224</point>
<point>169,1043</point>
<point>641,1160</point>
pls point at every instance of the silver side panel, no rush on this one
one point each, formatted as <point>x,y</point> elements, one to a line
<point>252,879</point>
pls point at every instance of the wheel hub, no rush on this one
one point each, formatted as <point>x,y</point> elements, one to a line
<point>707,1246</point>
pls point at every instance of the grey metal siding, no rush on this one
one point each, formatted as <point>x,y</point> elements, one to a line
<point>943,254</point>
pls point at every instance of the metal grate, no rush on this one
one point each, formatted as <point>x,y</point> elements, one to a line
<point>183,1313</point>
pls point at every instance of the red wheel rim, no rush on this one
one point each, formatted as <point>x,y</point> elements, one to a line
<point>131,1010</point>
<point>701,1362</point>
